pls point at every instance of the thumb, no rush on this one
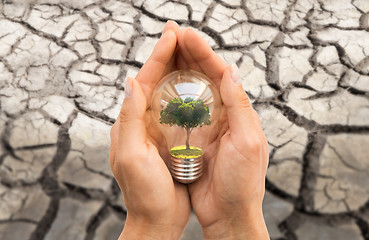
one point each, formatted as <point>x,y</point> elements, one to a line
<point>132,129</point>
<point>237,104</point>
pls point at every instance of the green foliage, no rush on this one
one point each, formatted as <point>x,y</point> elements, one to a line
<point>188,113</point>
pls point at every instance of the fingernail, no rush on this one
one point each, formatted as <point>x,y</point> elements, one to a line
<point>128,88</point>
<point>168,22</point>
<point>235,74</point>
<point>165,27</point>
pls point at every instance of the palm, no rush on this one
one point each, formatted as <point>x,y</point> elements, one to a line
<point>169,200</point>
<point>220,179</point>
<point>167,194</point>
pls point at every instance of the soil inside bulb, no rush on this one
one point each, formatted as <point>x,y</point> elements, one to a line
<point>184,153</point>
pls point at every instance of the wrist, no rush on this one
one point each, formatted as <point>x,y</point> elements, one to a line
<point>248,226</point>
<point>143,230</point>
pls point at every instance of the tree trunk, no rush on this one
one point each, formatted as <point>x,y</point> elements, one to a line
<point>188,139</point>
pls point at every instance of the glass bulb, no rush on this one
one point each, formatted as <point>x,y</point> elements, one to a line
<point>186,107</point>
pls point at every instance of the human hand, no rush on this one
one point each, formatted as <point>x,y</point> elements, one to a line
<point>157,206</point>
<point>227,199</point>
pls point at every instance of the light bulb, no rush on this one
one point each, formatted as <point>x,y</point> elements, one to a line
<point>186,107</point>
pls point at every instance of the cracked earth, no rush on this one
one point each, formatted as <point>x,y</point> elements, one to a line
<point>304,64</point>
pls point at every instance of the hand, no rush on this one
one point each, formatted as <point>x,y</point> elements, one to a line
<point>157,206</point>
<point>227,199</point>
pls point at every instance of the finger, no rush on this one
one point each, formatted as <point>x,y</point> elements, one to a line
<point>201,53</point>
<point>181,61</point>
<point>240,113</point>
<point>184,56</point>
<point>172,25</point>
<point>264,141</point>
<point>157,64</point>
<point>132,128</point>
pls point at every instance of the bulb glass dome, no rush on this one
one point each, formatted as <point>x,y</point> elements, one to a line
<point>186,107</point>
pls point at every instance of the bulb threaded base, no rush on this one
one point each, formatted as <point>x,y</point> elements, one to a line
<point>186,170</point>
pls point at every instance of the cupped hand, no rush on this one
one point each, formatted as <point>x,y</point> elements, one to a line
<point>227,198</point>
<point>157,206</point>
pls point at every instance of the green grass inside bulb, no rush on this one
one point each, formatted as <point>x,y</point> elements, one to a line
<point>184,153</point>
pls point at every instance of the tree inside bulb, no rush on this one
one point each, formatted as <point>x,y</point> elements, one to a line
<point>186,106</point>
<point>188,114</point>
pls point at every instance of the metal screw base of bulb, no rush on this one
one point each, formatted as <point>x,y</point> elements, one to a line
<point>186,170</point>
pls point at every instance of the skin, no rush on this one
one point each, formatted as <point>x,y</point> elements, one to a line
<point>227,199</point>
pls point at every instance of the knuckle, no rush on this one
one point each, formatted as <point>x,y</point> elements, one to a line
<point>128,159</point>
<point>123,117</point>
<point>244,102</point>
<point>254,145</point>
